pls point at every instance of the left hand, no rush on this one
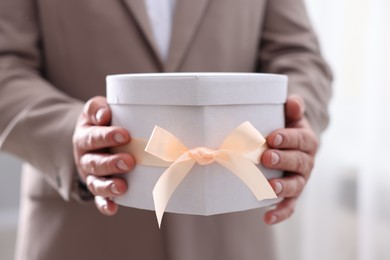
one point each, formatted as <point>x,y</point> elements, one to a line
<point>98,168</point>
<point>292,150</point>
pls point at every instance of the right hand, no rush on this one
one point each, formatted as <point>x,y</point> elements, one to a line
<point>96,166</point>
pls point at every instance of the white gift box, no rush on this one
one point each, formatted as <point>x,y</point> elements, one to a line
<point>201,110</point>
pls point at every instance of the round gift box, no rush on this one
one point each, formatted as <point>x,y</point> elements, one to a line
<point>200,109</point>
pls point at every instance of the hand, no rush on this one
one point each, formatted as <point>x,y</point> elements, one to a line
<point>97,167</point>
<point>292,150</point>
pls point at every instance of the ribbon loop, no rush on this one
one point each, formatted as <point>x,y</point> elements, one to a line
<point>243,140</point>
<point>165,145</point>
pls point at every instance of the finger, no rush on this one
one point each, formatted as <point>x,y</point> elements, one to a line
<point>106,206</point>
<point>294,138</point>
<point>97,112</point>
<point>106,187</point>
<point>99,137</point>
<point>283,211</point>
<point>294,109</point>
<point>288,161</point>
<point>106,164</point>
<point>289,186</point>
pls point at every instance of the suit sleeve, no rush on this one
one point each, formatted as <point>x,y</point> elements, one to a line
<point>37,121</point>
<point>289,46</point>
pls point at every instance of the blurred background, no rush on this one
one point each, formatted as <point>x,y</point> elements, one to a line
<point>9,202</point>
<point>344,212</point>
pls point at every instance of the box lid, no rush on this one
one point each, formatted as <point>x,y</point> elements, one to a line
<point>196,89</point>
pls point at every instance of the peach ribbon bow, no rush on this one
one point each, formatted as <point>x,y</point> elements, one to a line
<point>239,153</point>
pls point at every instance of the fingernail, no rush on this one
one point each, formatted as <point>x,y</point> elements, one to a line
<point>273,219</point>
<point>89,181</point>
<point>122,165</point>
<point>99,114</point>
<point>275,158</point>
<point>119,138</point>
<point>114,189</point>
<point>105,208</point>
<point>278,140</point>
<point>102,203</point>
<point>278,187</point>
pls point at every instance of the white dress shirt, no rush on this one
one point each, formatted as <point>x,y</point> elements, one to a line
<point>160,14</point>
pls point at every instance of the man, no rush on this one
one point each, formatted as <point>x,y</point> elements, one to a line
<point>54,56</point>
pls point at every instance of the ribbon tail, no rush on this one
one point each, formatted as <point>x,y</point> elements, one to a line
<point>168,183</point>
<point>248,173</point>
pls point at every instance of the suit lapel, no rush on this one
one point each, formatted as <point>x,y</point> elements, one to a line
<point>188,15</point>
<point>138,9</point>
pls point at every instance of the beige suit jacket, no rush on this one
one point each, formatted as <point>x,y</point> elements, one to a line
<point>55,54</point>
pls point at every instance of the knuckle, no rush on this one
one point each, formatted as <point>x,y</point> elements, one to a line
<point>91,186</point>
<point>102,137</point>
<point>310,141</point>
<point>288,189</point>
<point>92,166</point>
<point>291,211</point>
<point>286,213</point>
<point>77,140</point>
<point>301,140</point>
<point>101,187</point>
<point>88,107</point>
<point>89,141</point>
<point>97,137</point>
<point>99,165</point>
<point>88,163</point>
<point>294,186</point>
<point>107,188</point>
<point>304,140</point>
<point>300,183</point>
<point>286,138</point>
<point>105,134</point>
<point>316,143</point>
<point>110,162</point>
<point>300,165</point>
